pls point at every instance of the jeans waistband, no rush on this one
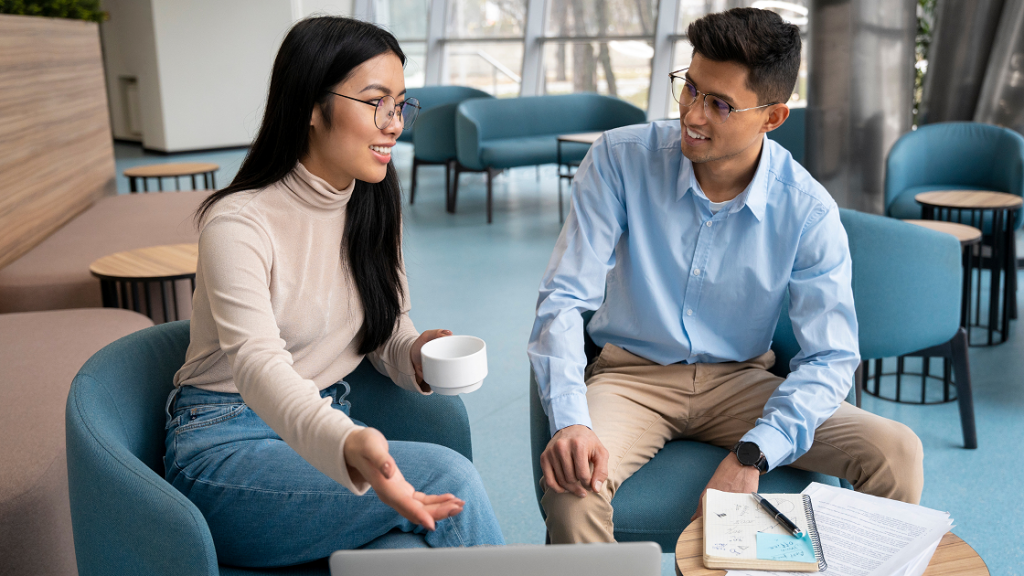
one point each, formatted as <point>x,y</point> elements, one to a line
<point>187,396</point>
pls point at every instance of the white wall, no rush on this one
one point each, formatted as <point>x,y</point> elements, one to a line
<point>203,66</point>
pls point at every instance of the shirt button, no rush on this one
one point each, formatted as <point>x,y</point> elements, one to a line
<point>708,223</point>
<point>696,271</point>
<point>689,312</point>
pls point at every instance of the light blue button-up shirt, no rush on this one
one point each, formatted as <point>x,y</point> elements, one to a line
<point>686,285</point>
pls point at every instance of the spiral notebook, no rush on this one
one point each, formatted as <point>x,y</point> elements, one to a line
<point>740,534</point>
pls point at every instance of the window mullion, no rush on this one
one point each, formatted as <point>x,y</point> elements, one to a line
<point>661,63</point>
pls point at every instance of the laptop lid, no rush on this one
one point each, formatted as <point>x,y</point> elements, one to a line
<point>632,558</point>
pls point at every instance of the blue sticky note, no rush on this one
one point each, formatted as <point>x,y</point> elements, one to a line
<point>785,547</point>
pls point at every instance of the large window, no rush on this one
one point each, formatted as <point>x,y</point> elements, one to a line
<point>407,20</point>
<point>603,46</point>
<point>484,45</point>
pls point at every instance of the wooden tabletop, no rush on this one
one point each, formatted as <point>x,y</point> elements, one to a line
<point>964,233</point>
<point>177,169</point>
<point>953,556</point>
<point>153,263</point>
<point>969,199</point>
<point>581,137</point>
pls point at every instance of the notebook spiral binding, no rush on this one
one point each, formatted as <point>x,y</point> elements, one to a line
<point>812,528</point>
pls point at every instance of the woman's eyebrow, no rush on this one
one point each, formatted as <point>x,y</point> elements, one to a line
<point>378,87</point>
<point>729,100</point>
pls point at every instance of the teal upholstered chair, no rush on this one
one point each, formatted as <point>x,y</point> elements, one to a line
<point>792,134</point>
<point>433,134</point>
<point>126,519</point>
<point>495,134</point>
<point>953,156</point>
<point>656,503</point>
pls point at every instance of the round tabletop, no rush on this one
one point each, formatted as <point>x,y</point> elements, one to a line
<point>153,263</point>
<point>970,200</point>
<point>167,170</point>
<point>953,556</point>
<point>964,233</point>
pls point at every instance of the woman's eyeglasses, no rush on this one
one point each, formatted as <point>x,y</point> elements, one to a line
<point>385,108</point>
<point>715,109</point>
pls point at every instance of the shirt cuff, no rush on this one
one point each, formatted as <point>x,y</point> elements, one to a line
<point>773,444</point>
<point>568,410</point>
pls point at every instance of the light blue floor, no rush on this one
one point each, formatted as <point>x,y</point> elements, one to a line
<point>481,279</point>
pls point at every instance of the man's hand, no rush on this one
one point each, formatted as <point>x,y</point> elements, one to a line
<point>575,461</point>
<point>367,457</point>
<point>731,476</point>
<point>417,358</point>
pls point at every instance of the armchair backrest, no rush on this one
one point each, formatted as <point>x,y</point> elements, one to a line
<point>968,154</point>
<point>906,287</point>
<point>432,96</point>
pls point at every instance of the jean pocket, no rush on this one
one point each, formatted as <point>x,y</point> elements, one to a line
<point>205,415</point>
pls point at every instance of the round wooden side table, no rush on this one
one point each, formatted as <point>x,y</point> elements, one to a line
<point>953,556</point>
<point>969,237</point>
<point>974,207</point>
<point>176,170</point>
<point>132,279</point>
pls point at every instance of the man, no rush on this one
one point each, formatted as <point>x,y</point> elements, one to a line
<point>686,239</point>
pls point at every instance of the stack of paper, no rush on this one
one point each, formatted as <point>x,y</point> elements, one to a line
<point>864,535</point>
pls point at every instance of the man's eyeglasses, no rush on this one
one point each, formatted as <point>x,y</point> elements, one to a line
<point>715,109</point>
<point>385,108</point>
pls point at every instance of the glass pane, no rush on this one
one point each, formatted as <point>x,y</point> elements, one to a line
<point>416,63</point>
<point>486,18</point>
<point>621,69</point>
<point>601,17</point>
<point>794,11</point>
<point>406,19</point>
<point>494,67</point>
<point>680,59</point>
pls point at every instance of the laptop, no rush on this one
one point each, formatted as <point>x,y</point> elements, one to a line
<point>632,559</point>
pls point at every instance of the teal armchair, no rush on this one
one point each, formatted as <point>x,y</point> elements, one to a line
<point>125,517</point>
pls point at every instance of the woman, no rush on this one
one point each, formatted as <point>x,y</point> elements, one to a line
<point>300,276</point>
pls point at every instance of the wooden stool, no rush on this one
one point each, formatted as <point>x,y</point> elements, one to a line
<point>953,556</point>
<point>958,205</point>
<point>161,171</point>
<point>580,138</point>
<point>122,274</point>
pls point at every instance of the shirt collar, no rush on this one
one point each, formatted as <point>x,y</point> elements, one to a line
<point>754,197</point>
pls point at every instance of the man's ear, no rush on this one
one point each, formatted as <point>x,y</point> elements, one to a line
<point>777,115</point>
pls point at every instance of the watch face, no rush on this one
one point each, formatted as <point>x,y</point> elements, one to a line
<point>748,453</point>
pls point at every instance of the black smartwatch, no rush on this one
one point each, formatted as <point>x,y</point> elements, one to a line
<point>749,454</point>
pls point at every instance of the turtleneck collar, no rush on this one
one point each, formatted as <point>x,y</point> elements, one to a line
<point>315,192</point>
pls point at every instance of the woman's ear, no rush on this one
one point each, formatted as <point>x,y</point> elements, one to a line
<point>316,119</point>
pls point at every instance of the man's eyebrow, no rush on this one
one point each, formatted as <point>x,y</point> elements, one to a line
<point>728,100</point>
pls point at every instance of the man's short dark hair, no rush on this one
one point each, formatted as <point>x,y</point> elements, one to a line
<point>760,40</point>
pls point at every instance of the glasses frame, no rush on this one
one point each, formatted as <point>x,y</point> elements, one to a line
<point>677,74</point>
<point>407,102</point>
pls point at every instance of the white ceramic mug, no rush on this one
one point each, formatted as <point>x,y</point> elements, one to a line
<point>454,364</point>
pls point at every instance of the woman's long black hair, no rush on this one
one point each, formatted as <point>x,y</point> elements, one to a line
<point>317,54</point>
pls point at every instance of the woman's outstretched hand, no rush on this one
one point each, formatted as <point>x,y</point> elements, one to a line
<point>417,358</point>
<point>366,453</point>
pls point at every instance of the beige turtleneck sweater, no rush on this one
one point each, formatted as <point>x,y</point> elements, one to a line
<point>276,314</point>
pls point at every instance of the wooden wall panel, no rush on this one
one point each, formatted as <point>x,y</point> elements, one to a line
<point>56,151</point>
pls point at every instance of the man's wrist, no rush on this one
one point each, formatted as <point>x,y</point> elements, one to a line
<point>750,454</point>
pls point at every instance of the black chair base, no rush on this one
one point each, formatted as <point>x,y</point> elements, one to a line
<point>448,165</point>
<point>491,173</point>
<point>954,353</point>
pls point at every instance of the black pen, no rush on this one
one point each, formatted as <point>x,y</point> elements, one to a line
<point>774,513</point>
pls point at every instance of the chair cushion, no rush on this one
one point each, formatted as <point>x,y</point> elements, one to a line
<point>529,151</point>
<point>40,352</point>
<point>646,510</point>
<point>55,274</point>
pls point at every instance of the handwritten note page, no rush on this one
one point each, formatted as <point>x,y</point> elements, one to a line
<point>862,535</point>
<point>734,520</point>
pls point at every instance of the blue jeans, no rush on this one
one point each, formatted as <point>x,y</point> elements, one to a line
<point>266,506</point>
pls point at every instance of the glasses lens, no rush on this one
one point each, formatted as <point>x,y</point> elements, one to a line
<point>716,109</point>
<point>684,92</point>
<point>385,112</point>
<point>409,111</point>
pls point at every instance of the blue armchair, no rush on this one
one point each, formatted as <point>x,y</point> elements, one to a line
<point>433,135</point>
<point>656,503</point>
<point>953,156</point>
<point>495,134</point>
<point>125,517</point>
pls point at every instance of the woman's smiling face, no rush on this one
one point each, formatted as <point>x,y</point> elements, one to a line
<point>352,147</point>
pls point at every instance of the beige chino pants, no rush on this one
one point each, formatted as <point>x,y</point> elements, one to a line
<point>636,406</point>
